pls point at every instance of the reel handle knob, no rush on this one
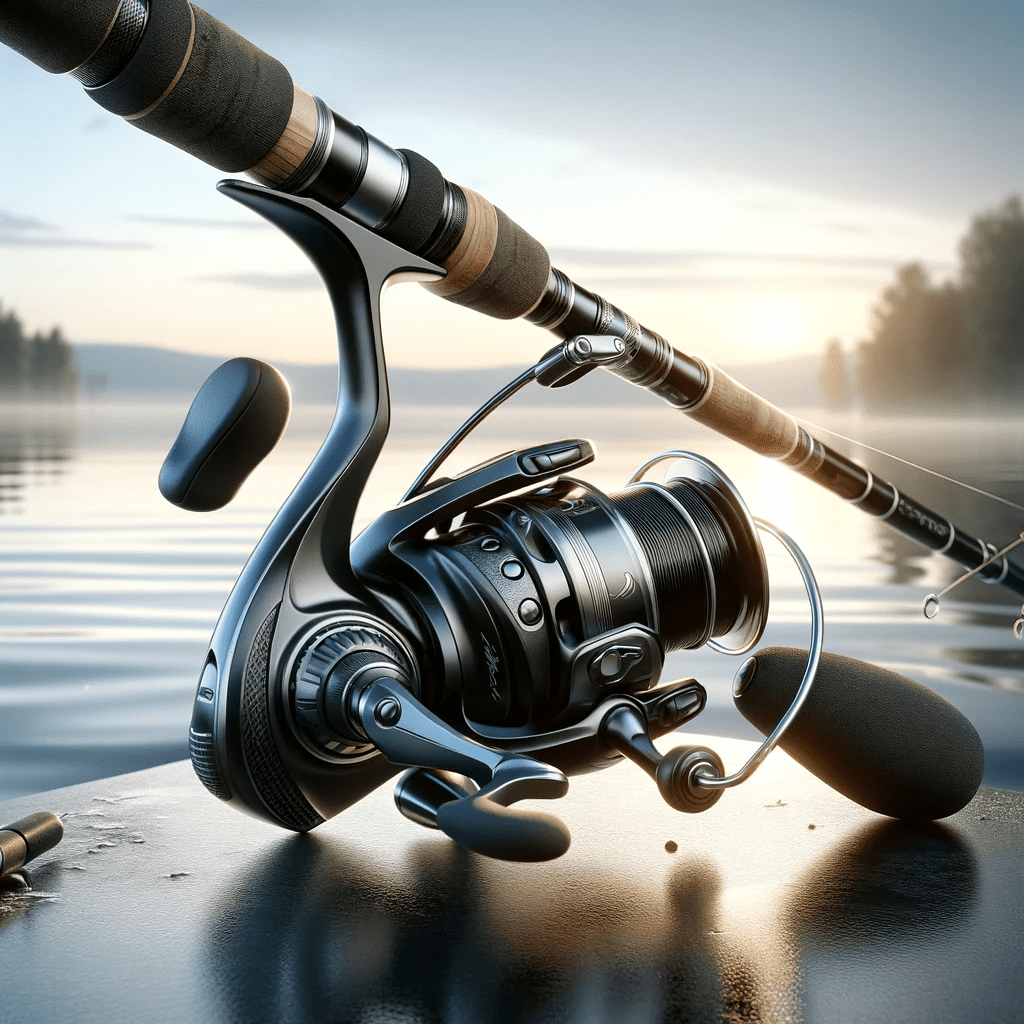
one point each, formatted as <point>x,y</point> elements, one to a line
<point>627,731</point>
<point>232,425</point>
<point>676,778</point>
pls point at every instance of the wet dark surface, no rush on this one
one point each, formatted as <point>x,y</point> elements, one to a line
<point>785,902</point>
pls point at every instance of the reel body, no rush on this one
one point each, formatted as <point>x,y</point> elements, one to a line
<point>495,632</point>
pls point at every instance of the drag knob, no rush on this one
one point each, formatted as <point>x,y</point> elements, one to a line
<point>336,666</point>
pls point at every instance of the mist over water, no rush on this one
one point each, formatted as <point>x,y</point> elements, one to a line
<point>108,594</point>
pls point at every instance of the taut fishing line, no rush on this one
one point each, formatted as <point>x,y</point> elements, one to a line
<point>930,606</point>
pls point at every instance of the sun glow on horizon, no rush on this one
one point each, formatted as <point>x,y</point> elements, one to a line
<point>776,327</point>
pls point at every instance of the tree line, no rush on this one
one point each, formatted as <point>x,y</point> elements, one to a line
<point>939,344</point>
<point>40,366</point>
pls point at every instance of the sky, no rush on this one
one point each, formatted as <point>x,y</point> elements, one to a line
<point>743,177</point>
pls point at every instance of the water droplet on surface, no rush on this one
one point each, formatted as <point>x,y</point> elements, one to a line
<point>930,606</point>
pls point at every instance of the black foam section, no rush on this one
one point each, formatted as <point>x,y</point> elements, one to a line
<point>233,423</point>
<point>514,279</point>
<point>880,739</point>
<point>58,35</point>
<point>229,106</point>
<point>154,65</point>
<point>422,207</point>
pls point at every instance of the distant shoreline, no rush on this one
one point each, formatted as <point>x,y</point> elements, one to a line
<point>127,372</point>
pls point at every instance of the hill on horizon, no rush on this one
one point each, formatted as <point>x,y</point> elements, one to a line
<point>133,371</point>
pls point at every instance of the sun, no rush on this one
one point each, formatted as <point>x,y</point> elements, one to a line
<point>775,326</point>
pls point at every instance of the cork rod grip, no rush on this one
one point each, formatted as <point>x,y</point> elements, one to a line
<point>728,408</point>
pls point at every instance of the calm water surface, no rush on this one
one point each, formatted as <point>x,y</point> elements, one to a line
<point>108,594</point>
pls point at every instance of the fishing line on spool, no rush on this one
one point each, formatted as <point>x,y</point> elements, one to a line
<point>698,597</point>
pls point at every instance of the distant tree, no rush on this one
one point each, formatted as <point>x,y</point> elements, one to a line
<point>993,297</point>
<point>52,369</point>
<point>13,353</point>
<point>41,366</point>
<point>917,353</point>
<point>833,380</point>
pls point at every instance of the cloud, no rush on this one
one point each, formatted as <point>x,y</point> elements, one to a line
<point>653,268</point>
<point>198,222</point>
<point>626,258</point>
<point>27,242</point>
<point>266,282</point>
<point>31,233</point>
<point>12,222</point>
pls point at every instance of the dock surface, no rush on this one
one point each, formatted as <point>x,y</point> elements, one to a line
<point>785,902</point>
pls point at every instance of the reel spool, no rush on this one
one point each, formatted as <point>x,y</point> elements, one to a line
<point>495,632</point>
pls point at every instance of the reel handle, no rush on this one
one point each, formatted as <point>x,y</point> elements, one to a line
<point>626,730</point>
<point>405,732</point>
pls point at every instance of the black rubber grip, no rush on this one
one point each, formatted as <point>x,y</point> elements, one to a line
<point>58,35</point>
<point>422,207</point>
<point>514,279</point>
<point>203,88</point>
<point>234,422</point>
<point>880,739</point>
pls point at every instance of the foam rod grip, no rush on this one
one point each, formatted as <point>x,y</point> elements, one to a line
<point>884,741</point>
<point>58,35</point>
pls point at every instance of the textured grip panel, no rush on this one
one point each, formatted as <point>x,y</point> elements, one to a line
<point>155,65</point>
<point>58,35</point>
<point>204,763</point>
<point>200,86</point>
<point>880,739</point>
<point>275,786</point>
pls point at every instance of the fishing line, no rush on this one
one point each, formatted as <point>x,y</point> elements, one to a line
<point>913,465</point>
<point>930,606</point>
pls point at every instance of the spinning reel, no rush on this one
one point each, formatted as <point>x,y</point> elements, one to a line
<point>501,630</point>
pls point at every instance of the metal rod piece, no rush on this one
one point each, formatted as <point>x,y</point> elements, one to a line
<point>814,656</point>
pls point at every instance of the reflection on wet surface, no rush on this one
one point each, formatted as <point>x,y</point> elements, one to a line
<point>784,903</point>
<point>448,938</point>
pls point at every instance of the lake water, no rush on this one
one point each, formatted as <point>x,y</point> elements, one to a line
<point>108,594</point>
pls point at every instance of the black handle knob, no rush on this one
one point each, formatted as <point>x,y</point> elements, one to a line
<point>627,731</point>
<point>233,424</point>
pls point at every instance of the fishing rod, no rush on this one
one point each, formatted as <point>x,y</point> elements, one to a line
<point>178,73</point>
<point>498,631</point>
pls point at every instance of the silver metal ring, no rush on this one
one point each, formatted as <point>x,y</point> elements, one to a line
<point>382,187</point>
